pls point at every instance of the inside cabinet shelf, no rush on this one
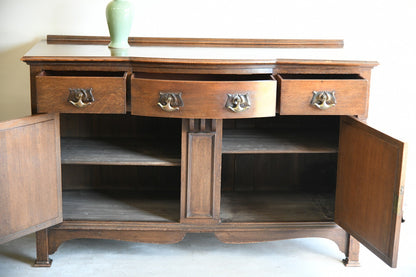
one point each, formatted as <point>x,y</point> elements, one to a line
<point>246,141</point>
<point>277,207</point>
<point>279,169</point>
<point>129,151</point>
<point>116,205</point>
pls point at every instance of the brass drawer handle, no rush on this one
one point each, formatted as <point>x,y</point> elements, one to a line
<point>169,101</point>
<point>80,97</point>
<point>323,99</point>
<point>238,102</point>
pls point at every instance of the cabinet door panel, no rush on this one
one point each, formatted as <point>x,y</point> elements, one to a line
<point>30,176</point>
<point>369,190</point>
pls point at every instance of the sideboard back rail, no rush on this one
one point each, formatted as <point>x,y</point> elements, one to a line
<point>202,42</point>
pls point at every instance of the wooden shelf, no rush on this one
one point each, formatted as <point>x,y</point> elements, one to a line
<point>276,207</point>
<point>118,152</point>
<point>235,206</point>
<point>120,206</point>
<point>282,141</point>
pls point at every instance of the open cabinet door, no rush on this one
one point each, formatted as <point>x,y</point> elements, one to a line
<point>369,191</point>
<point>30,175</point>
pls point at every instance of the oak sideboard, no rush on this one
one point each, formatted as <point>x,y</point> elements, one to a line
<point>174,136</point>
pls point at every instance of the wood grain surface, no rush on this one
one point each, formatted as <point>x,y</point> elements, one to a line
<point>30,175</point>
<point>109,92</point>
<point>296,93</point>
<point>203,99</point>
<point>370,186</point>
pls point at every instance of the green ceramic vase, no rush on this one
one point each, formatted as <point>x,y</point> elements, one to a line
<point>119,15</point>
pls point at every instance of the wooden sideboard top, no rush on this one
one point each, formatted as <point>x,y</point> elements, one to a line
<point>190,51</point>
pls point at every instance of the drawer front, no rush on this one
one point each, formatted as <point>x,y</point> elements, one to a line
<point>323,96</point>
<point>203,99</point>
<point>81,94</point>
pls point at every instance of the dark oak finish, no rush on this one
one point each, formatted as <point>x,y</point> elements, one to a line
<point>211,103</point>
<point>370,186</point>
<point>53,89</point>
<point>154,178</point>
<point>30,175</point>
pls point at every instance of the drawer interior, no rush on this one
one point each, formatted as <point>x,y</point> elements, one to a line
<point>83,73</point>
<point>204,77</point>
<point>321,76</point>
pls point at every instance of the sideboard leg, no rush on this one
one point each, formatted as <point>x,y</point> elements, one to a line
<point>42,253</point>
<point>353,253</point>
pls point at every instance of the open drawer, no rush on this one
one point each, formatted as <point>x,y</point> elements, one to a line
<point>81,92</point>
<point>322,94</point>
<point>203,96</point>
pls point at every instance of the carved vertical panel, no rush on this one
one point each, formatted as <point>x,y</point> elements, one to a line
<point>200,176</point>
<point>201,170</point>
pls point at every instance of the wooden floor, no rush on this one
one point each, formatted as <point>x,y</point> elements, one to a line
<point>235,206</point>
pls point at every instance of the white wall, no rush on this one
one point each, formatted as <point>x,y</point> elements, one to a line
<point>373,30</point>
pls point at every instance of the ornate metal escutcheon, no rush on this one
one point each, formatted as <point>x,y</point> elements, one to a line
<point>80,97</point>
<point>238,102</point>
<point>170,101</point>
<point>323,99</point>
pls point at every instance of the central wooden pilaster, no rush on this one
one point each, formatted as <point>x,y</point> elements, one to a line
<point>201,171</point>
